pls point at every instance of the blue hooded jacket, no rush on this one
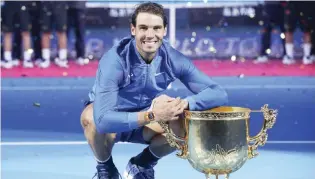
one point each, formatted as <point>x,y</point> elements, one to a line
<point>125,84</point>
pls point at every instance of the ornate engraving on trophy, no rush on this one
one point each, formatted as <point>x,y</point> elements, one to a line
<point>219,156</point>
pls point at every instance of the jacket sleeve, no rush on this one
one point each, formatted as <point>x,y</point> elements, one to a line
<point>207,93</point>
<point>106,116</point>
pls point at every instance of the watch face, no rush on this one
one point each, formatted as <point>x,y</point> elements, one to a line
<point>151,116</point>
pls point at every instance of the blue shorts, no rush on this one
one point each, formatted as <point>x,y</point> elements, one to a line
<point>133,136</point>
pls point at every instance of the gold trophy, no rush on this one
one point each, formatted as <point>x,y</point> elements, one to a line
<point>217,141</point>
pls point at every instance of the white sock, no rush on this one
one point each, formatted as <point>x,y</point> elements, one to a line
<point>307,49</point>
<point>63,54</point>
<point>46,53</point>
<point>8,55</point>
<point>99,161</point>
<point>289,49</point>
<point>27,55</point>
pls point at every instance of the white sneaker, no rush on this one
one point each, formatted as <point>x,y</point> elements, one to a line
<point>6,64</point>
<point>38,61</point>
<point>15,62</point>
<point>63,63</point>
<point>307,60</point>
<point>42,63</point>
<point>82,61</point>
<point>261,59</point>
<point>28,64</point>
<point>288,60</point>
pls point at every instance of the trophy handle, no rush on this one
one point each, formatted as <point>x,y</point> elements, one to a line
<point>180,143</point>
<point>261,138</point>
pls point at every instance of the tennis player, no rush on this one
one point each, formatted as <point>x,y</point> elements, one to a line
<point>128,97</point>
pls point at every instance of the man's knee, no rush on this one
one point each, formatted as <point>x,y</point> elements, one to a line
<point>86,118</point>
<point>151,130</point>
<point>87,123</point>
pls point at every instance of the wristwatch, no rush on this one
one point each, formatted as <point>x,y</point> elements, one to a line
<point>149,116</point>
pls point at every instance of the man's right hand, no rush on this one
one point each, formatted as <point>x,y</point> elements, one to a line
<point>166,108</point>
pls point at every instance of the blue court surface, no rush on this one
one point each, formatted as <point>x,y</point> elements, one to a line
<point>42,136</point>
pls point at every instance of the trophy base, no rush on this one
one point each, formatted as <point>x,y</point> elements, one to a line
<point>208,176</point>
<point>217,173</point>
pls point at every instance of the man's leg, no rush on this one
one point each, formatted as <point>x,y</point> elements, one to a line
<point>9,12</point>
<point>35,32</point>
<point>158,143</point>
<point>141,166</point>
<point>101,145</point>
<point>290,18</point>
<point>305,25</point>
<point>265,34</point>
<point>26,27</point>
<point>60,14</point>
<point>79,27</point>
<point>17,41</point>
<point>46,28</point>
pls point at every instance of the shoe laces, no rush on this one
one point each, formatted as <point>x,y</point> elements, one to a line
<point>148,173</point>
<point>106,173</point>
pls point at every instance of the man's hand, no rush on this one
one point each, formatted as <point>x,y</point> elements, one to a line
<point>167,108</point>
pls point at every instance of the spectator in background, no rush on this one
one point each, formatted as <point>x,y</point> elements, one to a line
<point>34,13</point>
<point>272,18</point>
<point>17,41</point>
<point>76,19</point>
<point>54,11</point>
<point>11,10</point>
<point>36,31</point>
<point>297,12</point>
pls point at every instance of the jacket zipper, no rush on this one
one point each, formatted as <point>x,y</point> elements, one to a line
<point>145,84</point>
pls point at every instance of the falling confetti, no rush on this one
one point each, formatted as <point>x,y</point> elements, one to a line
<point>90,57</point>
<point>241,75</point>
<point>36,104</point>
<point>268,51</point>
<point>64,73</point>
<point>233,58</point>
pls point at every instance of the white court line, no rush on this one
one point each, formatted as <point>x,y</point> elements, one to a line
<point>45,143</point>
<point>63,88</point>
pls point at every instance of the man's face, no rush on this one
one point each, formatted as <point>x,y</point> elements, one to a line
<point>149,32</point>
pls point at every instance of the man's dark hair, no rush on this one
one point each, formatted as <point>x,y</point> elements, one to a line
<point>149,7</point>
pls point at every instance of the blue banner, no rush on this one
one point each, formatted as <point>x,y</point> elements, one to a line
<point>198,43</point>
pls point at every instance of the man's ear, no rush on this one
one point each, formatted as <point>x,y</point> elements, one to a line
<point>165,31</point>
<point>132,29</point>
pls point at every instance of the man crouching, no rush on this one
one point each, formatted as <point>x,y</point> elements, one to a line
<point>127,100</point>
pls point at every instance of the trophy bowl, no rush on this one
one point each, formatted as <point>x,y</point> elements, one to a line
<point>217,141</point>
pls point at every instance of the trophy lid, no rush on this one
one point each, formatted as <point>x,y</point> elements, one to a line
<point>223,109</point>
<point>229,109</point>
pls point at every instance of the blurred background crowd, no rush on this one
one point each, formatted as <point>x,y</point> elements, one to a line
<point>27,28</point>
<point>39,33</point>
